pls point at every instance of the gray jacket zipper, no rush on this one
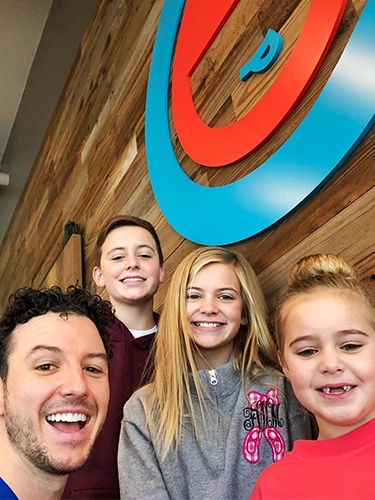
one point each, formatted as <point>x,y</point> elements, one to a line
<point>213,378</point>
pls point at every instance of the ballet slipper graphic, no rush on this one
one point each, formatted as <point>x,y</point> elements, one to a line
<point>261,404</point>
<point>276,441</point>
<point>251,445</point>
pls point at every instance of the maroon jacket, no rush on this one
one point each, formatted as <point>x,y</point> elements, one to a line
<point>99,477</point>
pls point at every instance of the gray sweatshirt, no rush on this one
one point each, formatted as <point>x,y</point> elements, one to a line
<point>240,439</point>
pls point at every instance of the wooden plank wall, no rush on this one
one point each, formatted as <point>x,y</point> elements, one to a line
<point>67,269</point>
<point>92,162</point>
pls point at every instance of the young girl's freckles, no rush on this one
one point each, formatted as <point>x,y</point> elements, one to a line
<point>329,356</point>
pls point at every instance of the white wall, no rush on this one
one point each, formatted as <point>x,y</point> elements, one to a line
<point>63,30</point>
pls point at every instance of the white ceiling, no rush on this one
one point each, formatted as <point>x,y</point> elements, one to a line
<point>21,26</point>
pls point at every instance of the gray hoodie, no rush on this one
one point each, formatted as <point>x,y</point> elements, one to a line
<point>239,439</point>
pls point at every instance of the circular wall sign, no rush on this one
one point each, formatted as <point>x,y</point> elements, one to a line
<point>339,119</point>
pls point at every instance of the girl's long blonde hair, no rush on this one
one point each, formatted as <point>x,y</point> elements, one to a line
<point>169,398</point>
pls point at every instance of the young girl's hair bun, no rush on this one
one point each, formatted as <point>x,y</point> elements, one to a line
<point>315,273</point>
<point>316,267</point>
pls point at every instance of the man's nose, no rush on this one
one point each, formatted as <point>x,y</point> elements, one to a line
<point>74,382</point>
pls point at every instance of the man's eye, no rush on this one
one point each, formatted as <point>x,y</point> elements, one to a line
<point>305,353</point>
<point>46,367</point>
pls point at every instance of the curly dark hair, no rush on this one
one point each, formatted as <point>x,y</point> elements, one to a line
<point>28,303</point>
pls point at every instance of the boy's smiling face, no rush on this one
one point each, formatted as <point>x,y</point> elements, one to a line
<point>54,400</point>
<point>129,267</point>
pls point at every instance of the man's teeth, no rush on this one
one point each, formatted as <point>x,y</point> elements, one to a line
<point>67,417</point>
<point>207,325</point>
<point>329,390</point>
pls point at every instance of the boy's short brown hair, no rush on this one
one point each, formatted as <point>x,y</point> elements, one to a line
<point>124,221</point>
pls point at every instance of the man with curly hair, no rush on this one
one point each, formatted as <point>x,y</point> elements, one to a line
<point>54,390</point>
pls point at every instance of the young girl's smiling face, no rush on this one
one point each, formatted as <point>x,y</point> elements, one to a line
<point>329,357</point>
<point>214,310</point>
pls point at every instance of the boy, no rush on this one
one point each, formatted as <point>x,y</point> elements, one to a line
<point>129,263</point>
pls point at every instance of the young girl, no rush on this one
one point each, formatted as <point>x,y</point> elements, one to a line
<point>216,413</point>
<point>325,327</point>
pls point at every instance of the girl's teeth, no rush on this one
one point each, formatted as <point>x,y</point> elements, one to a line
<point>328,390</point>
<point>208,325</point>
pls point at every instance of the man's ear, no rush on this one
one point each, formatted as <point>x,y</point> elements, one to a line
<point>98,276</point>
<point>1,398</point>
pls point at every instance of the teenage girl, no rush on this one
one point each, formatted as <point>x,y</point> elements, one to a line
<point>217,412</point>
<point>325,328</point>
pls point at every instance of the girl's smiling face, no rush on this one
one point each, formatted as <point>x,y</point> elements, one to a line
<point>329,357</point>
<point>214,310</point>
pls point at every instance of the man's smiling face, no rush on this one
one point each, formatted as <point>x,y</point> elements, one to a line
<point>54,400</point>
